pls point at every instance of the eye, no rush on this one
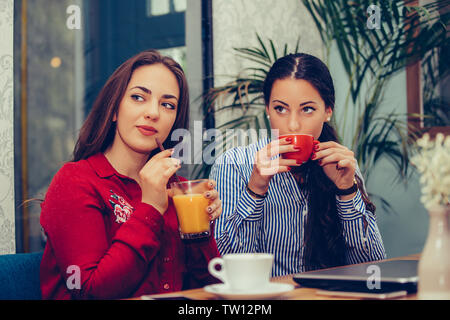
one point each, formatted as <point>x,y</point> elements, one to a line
<point>169,106</point>
<point>137,98</point>
<point>308,109</point>
<point>280,109</point>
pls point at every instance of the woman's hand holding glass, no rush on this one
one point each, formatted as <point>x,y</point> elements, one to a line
<point>154,177</point>
<point>214,208</point>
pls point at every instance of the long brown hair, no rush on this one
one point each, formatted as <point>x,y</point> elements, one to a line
<point>98,131</point>
<point>324,244</point>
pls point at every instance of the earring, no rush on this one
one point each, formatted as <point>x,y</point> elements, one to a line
<point>268,117</point>
<point>328,119</point>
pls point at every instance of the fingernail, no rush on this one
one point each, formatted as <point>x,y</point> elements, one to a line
<point>176,162</point>
<point>316,147</point>
<point>209,209</point>
<point>313,156</point>
<point>289,139</point>
<point>289,168</point>
<point>297,147</point>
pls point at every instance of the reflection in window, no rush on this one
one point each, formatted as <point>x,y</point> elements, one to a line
<point>180,5</point>
<point>162,7</point>
<point>54,85</point>
<point>178,54</point>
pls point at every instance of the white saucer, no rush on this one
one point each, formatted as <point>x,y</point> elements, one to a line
<point>272,290</point>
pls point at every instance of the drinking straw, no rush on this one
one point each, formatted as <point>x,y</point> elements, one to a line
<point>160,146</point>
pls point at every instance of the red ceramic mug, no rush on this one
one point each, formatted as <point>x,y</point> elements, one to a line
<point>304,143</point>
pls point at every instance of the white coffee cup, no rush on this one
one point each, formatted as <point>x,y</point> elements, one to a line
<point>243,271</point>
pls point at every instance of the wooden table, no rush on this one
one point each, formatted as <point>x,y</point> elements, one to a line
<point>299,293</point>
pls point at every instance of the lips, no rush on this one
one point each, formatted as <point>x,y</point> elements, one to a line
<point>147,130</point>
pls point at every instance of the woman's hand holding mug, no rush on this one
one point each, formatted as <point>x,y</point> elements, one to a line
<point>265,167</point>
<point>338,163</point>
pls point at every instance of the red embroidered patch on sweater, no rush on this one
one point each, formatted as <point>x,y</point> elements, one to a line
<point>122,209</point>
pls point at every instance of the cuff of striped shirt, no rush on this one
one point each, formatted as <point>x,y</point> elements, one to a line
<point>351,209</point>
<point>250,209</point>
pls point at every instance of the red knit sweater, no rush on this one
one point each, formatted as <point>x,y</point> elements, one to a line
<point>98,228</point>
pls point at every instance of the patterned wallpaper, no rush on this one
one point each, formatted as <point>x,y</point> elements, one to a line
<point>236,22</point>
<point>7,235</point>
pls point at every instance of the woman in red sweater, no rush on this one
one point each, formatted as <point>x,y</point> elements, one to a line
<point>110,222</point>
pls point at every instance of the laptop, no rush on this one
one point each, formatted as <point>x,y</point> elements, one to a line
<point>371,277</point>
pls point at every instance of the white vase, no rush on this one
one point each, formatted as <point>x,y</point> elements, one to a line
<point>434,264</point>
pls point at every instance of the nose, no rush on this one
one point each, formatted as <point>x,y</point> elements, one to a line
<point>293,123</point>
<point>152,110</point>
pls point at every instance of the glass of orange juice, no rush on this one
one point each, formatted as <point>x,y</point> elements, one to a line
<point>190,205</point>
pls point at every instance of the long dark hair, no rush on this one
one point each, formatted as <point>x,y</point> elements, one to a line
<point>324,244</point>
<point>98,131</point>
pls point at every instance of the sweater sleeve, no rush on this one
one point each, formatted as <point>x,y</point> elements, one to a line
<point>238,227</point>
<point>75,226</point>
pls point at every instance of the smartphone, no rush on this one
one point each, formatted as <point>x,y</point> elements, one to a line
<point>365,295</point>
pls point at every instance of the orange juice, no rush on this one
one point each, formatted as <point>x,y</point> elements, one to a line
<point>191,212</point>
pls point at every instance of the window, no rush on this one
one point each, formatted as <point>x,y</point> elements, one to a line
<point>65,69</point>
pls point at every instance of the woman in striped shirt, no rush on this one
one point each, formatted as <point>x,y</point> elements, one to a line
<point>312,215</point>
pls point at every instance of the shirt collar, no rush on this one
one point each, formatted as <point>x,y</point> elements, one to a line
<point>101,165</point>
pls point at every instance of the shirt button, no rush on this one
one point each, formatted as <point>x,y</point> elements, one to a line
<point>166,286</point>
<point>166,259</point>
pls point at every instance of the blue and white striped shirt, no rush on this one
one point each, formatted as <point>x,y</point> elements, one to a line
<point>276,224</point>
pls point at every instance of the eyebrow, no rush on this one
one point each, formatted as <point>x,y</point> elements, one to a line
<point>169,96</point>
<point>307,102</point>
<point>143,89</point>
<point>148,91</point>
<point>281,102</point>
<point>301,104</point>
